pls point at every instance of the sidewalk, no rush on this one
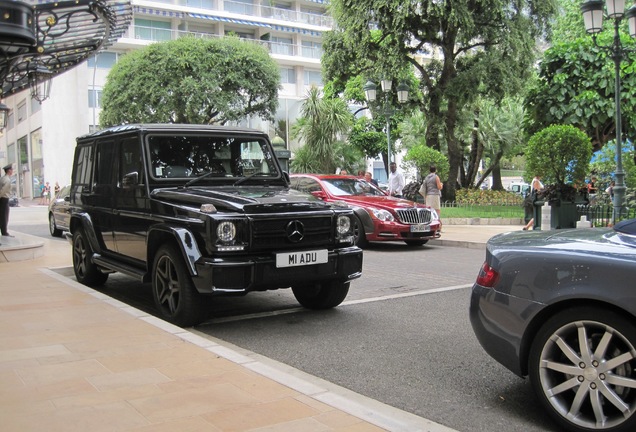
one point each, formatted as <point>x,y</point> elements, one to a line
<point>72,359</point>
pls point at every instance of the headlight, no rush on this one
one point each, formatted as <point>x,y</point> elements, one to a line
<point>434,215</point>
<point>226,231</point>
<point>344,225</point>
<point>383,215</point>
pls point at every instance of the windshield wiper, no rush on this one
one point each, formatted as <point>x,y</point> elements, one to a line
<point>201,177</point>
<point>257,173</point>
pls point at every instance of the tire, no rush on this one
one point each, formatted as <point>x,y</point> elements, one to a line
<point>415,242</point>
<point>86,272</point>
<point>52,228</point>
<point>359,237</point>
<point>593,391</point>
<point>322,295</point>
<point>175,296</point>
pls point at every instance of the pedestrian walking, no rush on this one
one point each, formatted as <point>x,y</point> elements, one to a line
<point>396,181</point>
<point>5,194</point>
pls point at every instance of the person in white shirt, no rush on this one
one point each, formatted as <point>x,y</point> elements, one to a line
<point>396,181</point>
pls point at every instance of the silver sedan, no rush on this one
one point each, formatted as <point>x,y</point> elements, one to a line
<point>560,307</point>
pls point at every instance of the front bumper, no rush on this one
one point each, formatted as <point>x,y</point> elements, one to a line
<point>394,231</point>
<point>241,275</point>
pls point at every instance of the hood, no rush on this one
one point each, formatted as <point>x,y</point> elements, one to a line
<point>248,199</point>
<point>381,202</point>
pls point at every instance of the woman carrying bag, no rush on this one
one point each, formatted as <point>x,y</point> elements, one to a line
<point>431,190</point>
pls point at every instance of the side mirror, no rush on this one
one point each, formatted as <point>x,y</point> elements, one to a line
<point>130,179</point>
<point>319,194</point>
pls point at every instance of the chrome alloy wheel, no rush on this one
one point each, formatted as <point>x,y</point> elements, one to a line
<point>587,372</point>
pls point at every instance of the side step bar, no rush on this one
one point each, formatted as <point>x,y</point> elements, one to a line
<point>108,264</point>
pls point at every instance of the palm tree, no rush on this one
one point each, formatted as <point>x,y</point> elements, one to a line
<point>323,123</point>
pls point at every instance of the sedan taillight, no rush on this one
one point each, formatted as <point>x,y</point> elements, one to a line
<point>488,276</point>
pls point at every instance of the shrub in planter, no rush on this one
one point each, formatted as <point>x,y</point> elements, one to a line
<point>559,154</point>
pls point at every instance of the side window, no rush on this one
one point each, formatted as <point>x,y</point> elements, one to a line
<point>105,165</point>
<point>131,162</point>
<point>83,165</point>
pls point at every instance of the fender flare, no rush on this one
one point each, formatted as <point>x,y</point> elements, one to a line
<point>86,222</point>
<point>365,218</point>
<point>184,239</point>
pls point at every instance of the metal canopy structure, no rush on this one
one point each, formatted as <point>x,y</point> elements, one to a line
<point>53,37</point>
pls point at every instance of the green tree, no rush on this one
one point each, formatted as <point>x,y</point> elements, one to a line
<point>323,123</point>
<point>558,154</point>
<point>422,157</point>
<point>576,86</point>
<point>192,80</point>
<point>475,48</point>
<point>501,133</point>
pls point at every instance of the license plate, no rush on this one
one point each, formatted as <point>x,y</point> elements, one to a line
<point>295,259</point>
<point>420,228</point>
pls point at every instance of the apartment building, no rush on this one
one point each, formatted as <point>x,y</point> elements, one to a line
<point>40,138</point>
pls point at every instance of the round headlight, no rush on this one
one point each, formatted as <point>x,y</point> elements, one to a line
<point>344,224</point>
<point>226,231</point>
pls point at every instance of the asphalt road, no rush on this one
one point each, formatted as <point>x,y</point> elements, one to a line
<point>402,337</point>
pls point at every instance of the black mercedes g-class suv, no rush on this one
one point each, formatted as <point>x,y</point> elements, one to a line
<point>200,211</point>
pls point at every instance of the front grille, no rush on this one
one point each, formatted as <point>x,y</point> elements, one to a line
<point>414,215</point>
<point>270,233</point>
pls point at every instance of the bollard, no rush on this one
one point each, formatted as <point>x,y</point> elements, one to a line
<point>546,219</point>
<point>584,223</point>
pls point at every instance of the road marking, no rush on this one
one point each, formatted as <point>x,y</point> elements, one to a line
<point>346,303</point>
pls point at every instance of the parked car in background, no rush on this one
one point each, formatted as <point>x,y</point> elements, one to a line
<point>59,212</point>
<point>519,188</point>
<point>560,307</point>
<point>379,217</point>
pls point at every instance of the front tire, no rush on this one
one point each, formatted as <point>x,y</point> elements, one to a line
<point>86,272</point>
<point>582,366</point>
<point>175,296</point>
<point>359,237</point>
<point>55,232</point>
<point>324,295</point>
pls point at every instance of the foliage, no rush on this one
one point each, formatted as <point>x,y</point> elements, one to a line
<point>500,132</point>
<point>568,24</point>
<point>422,157</point>
<point>488,197</point>
<point>192,80</point>
<point>562,192</point>
<point>558,154</point>
<point>576,86</point>
<point>322,124</point>
<point>474,48</point>
<point>365,136</point>
<point>604,165</point>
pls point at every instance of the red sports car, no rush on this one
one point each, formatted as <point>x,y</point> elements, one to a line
<point>379,217</point>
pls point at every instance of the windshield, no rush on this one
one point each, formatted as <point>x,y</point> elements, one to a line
<point>188,157</point>
<point>351,186</point>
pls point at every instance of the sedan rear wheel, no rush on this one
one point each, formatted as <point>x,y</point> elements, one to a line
<point>582,367</point>
<point>55,232</point>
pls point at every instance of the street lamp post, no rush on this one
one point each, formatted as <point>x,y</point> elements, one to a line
<point>593,19</point>
<point>370,90</point>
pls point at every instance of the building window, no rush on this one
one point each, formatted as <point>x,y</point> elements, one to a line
<point>312,49</point>
<point>245,7</point>
<point>201,4</point>
<point>37,162</point>
<point>35,106</point>
<point>10,120</point>
<point>281,45</point>
<point>105,60</point>
<point>94,98</point>
<point>287,75</point>
<point>313,77</point>
<point>153,30</point>
<point>22,111</point>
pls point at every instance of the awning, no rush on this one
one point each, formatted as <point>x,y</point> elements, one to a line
<point>296,30</point>
<point>257,23</point>
<point>230,20</point>
<point>145,10</point>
